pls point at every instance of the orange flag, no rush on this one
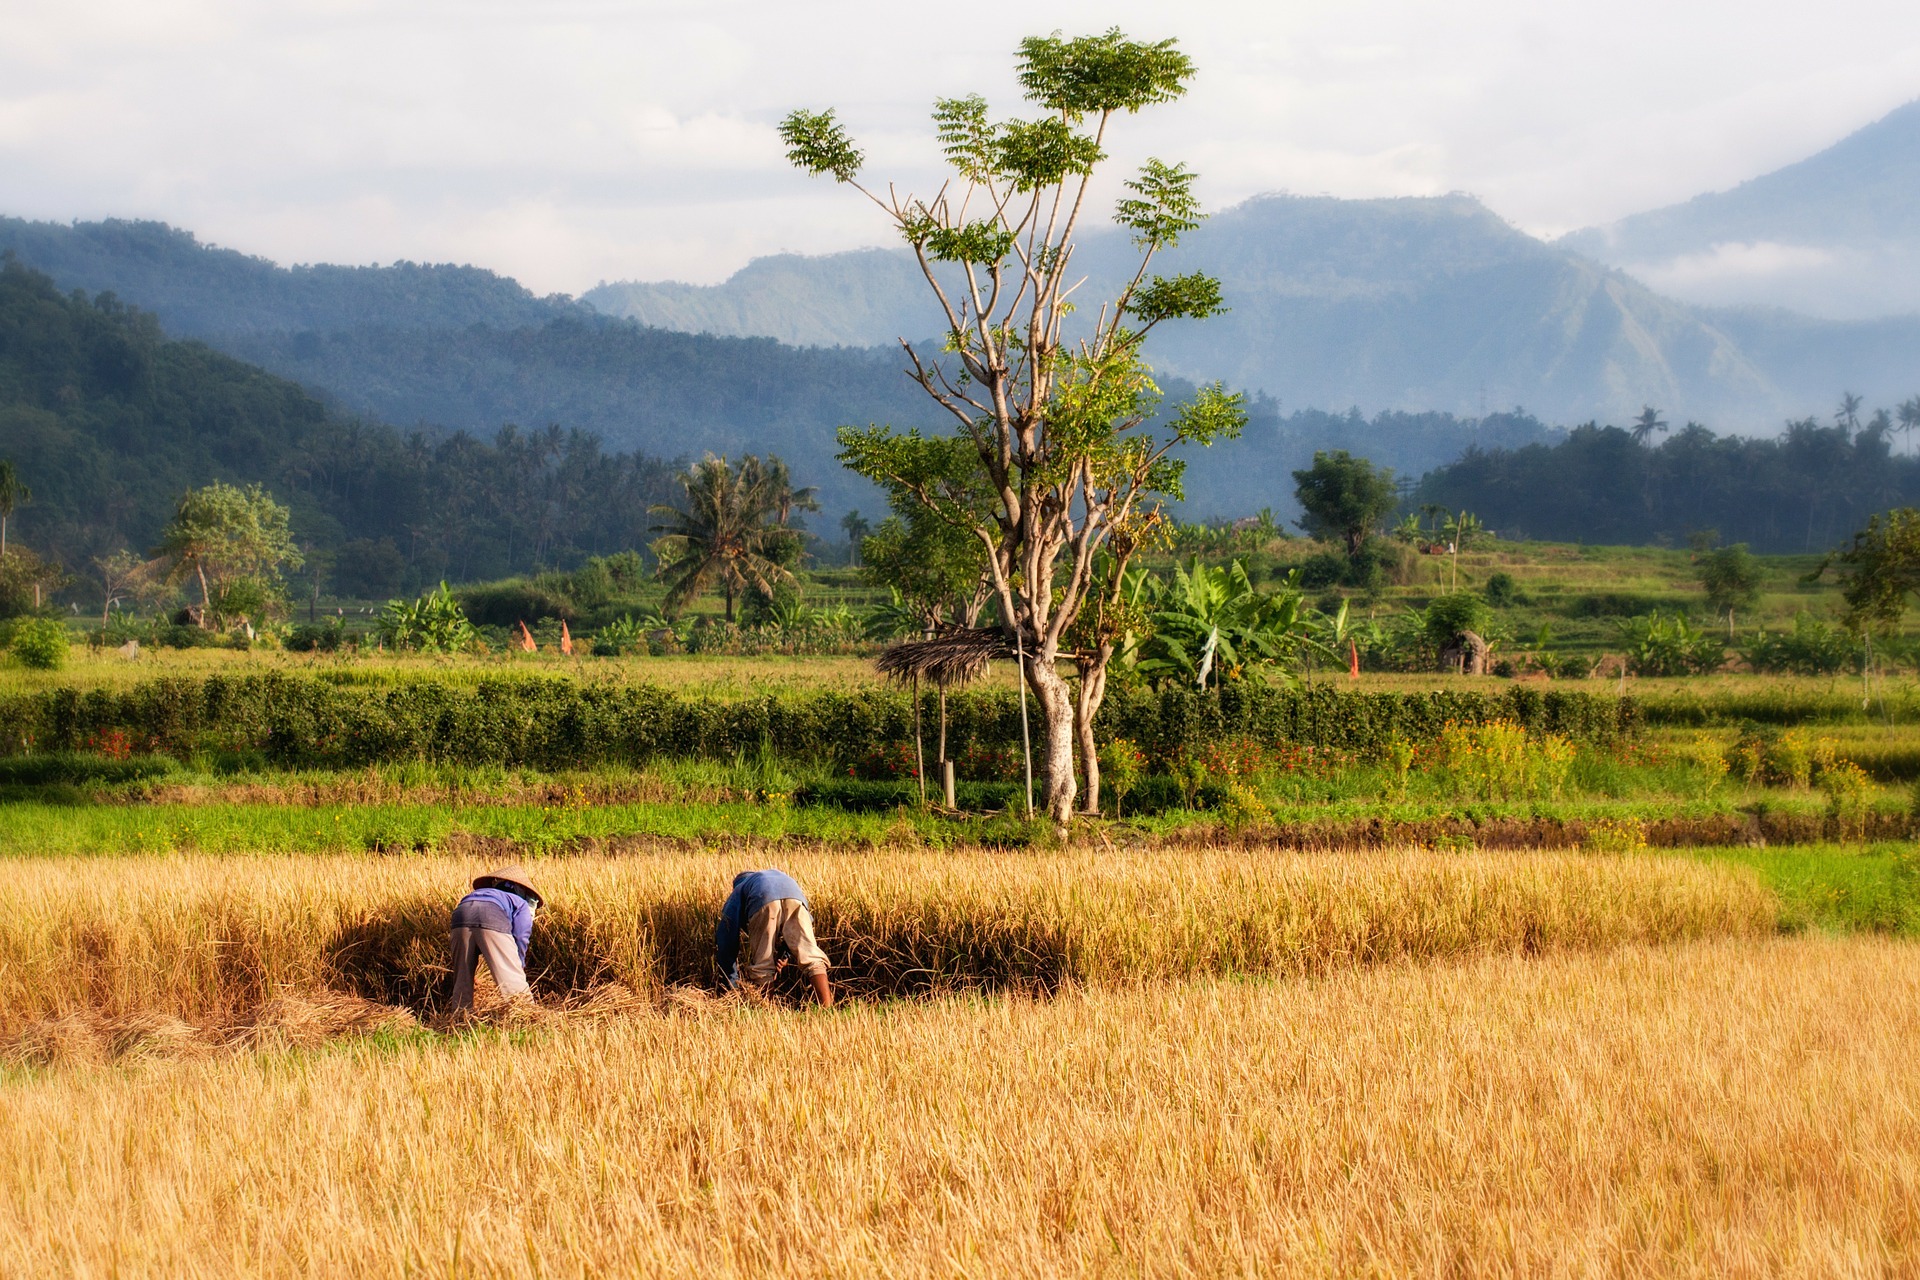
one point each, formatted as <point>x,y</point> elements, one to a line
<point>566,639</point>
<point>1353,661</point>
<point>526,639</point>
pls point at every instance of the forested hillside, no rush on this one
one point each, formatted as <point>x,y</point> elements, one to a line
<point>108,421</point>
<point>202,291</point>
<point>636,388</point>
<point>466,350</point>
<point>1808,490</point>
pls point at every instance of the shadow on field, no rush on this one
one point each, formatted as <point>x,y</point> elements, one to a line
<point>400,956</point>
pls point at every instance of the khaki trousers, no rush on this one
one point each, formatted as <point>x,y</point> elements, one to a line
<point>503,962</point>
<point>786,919</point>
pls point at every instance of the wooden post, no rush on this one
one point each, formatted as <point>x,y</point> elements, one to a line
<point>945,765</point>
<point>919,753</point>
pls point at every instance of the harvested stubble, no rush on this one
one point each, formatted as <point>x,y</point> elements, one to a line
<point>209,939</point>
<point>1728,1108</point>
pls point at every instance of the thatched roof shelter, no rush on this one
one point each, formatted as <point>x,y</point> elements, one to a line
<point>954,656</point>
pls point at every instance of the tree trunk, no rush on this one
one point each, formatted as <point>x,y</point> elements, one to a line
<point>206,597</point>
<point>1056,710</point>
<point>1092,692</point>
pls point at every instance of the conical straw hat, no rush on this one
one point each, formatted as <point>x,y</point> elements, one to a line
<point>514,874</point>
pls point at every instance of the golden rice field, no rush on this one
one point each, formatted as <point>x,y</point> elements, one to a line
<point>1152,1062</point>
<point>211,940</point>
<point>1724,1108</point>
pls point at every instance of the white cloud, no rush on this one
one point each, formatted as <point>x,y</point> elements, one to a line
<point>566,141</point>
<point>1734,263</point>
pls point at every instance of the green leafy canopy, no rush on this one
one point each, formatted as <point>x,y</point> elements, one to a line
<point>819,144</point>
<point>1095,75</point>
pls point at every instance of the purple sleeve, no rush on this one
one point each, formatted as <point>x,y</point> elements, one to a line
<point>522,925</point>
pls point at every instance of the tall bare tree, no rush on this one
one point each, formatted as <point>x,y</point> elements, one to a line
<point>1058,422</point>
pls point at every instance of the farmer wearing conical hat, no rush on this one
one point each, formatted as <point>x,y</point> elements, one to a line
<point>769,907</point>
<point>494,921</point>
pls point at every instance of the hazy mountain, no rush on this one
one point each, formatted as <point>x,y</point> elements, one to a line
<point>1812,358</point>
<point>1432,315</point>
<point>1410,304</point>
<point>109,420</point>
<point>462,348</point>
<point>864,299</point>
<point>1837,234</point>
<point>201,291</point>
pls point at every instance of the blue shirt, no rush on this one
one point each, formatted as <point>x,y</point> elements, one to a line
<point>500,910</point>
<point>752,890</point>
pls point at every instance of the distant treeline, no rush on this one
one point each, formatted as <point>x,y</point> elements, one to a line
<point>108,422</point>
<point>1806,490</point>
<point>1239,477</point>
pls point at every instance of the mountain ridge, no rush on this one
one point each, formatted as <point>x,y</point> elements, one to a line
<point>1406,304</point>
<point>1836,234</point>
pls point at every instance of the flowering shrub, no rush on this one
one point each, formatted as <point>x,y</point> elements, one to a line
<point>988,762</point>
<point>1244,808</point>
<point>114,744</point>
<point>1616,835</point>
<point>1793,758</point>
<point>884,761</point>
<point>1846,786</point>
<point>1500,760</point>
<point>1235,759</point>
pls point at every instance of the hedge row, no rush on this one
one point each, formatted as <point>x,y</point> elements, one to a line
<point>297,720</point>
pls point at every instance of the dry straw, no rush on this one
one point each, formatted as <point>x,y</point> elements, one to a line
<point>211,940</point>
<point>1742,1108</point>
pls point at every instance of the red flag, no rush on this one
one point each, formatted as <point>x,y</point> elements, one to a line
<point>526,639</point>
<point>566,639</point>
<point>1353,661</point>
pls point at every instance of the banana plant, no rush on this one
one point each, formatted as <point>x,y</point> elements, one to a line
<point>896,618</point>
<point>1339,635</point>
<point>1211,626</point>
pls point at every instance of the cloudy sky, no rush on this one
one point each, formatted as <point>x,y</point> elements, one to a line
<point>572,141</point>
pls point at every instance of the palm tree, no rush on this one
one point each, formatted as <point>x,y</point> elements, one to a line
<point>1648,424</point>
<point>12,494</point>
<point>721,536</point>
<point>1909,416</point>
<point>857,529</point>
<point>1848,414</point>
<point>786,499</point>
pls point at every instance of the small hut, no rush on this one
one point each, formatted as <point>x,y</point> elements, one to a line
<point>953,655</point>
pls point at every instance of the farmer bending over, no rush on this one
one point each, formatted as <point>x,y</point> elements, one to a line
<point>495,921</point>
<point>769,906</point>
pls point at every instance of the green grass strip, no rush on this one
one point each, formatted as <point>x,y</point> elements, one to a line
<point>1873,888</point>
